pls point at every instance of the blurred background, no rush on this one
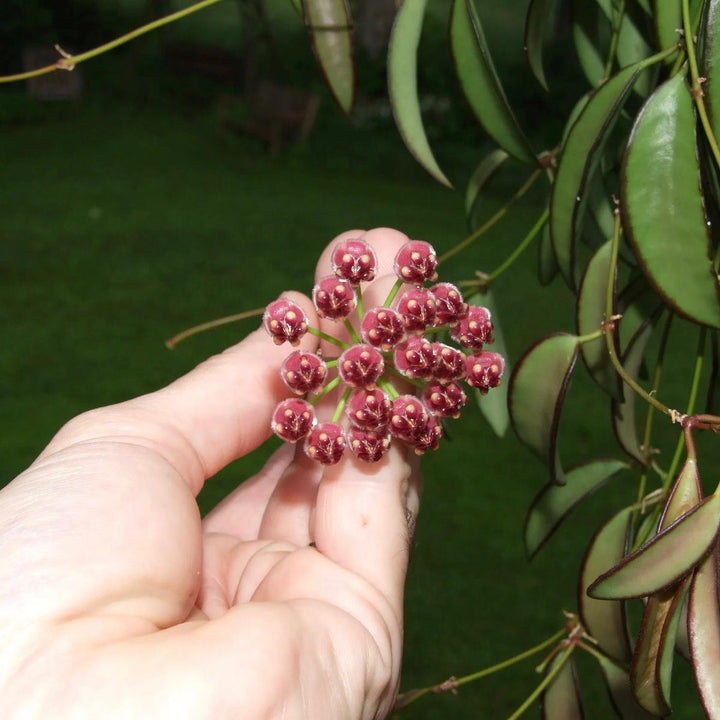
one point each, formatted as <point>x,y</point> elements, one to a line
<point>134,205</point>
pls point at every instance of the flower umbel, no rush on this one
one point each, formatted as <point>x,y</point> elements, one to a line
<point>396,341</point>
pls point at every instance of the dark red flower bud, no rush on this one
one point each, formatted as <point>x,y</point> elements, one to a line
<point>444,399</point>
<point>285,321</point>
<point>485,370</point>
<point>361,366</point>
<point>368,409</point>
<point>293,419</point>
<point>354,261</point>
<point>408,418</point>
<point>417,306</point>
<point>475,329</point>
<point>449,363</point>
<point>382,328</point>
<point>303,372</point>
<point>368,445</point>
<point>416,262</point>
<point>326,443</point>
<point>428,438</point>
<point>449,304</point>
<point>334,298</point>
<point>415,358</point>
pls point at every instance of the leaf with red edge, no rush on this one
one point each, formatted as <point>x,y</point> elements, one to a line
<point>606,620</point>
<point>561,699</point>
<point>330,25</point>
<point>538,387</point>
<point>617,682</point>
<point>554,502</point>
<point>704,632</point>
<point>487,167</point>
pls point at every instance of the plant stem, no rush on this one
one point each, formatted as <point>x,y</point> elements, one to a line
<point>549,677</point>
<point>324,336</point>
<point>173,341</point>
<point>351,331</point>
<point>341,405</point>
<point>494,219</point>
<point>697,91</point>
<point>452,683</point>
<point>521,247</point>
<point>70,61</point>
<point>393,292</point>
<point>325,390</point>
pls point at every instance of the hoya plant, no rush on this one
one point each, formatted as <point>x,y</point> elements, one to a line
<point>632,190</point>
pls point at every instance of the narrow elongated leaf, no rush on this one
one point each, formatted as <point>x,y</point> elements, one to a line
<point>547,264</point>
<point>710,63</point>
<point>651,669</point>
<point>561,700</point>
<point>586,18</point>
<point>590,314</point>
<point>554,502</point>
<point>704,633</point>
<point>483,172</point>
<point>606,620</point>
<point>668,19</point>
<point>617,681</point>
<point>494,405</point>
<point>666,558</point>
<point>662,204</point>
<point>402,84</point>
<point>684,496</point>
<point>481,84</point>
<point>539,14</point>
<point>577,164</point>
<point>712,403</point>
<point>537,393</point>
<point>330,25</point>
<point>632,48</point>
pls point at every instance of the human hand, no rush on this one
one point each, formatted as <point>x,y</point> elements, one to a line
<point>117,601</point>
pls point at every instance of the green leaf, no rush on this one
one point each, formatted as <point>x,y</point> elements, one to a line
<point>402,84</point>
<point>684,496</point>
<point>561,699</point>
<point>590,314</point>
<point>704,633</point>
<point>605,620</point>
<point>579,161</point>
<point>617,682</point>
<point>488,166</point>
<point>587,20</point>
<point>710,63</point>
<point>668,19</point>
<point>330,26</point>
<point>537,393</point>
<point>554,502</point>
<point>493,405</point>
<point>666,558</point>
<point>539,12</point>
<point>651,669</point>
<point>547,264</point>
<point>662,205</point>
<point>481,84</point>
<point>632,48</point>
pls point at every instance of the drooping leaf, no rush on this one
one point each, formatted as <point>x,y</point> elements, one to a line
<point>662,204</point>
<point>483,172</point>
<point>617,681</point>
<point>704,633</point>
<point>554,502</point>
<point>668,19</point>
<point>586,32</point>
<point>539,14</point>
<point>606,620</point>
<point>402,84</point>
<point>493,405</point>
<point>710,62</point>
<point>481,84</point>
<point>632,48</point>
<point>666,558</point>
<point>561,699</point>
<point>577,163</point>
<point>537,394</point>
<point>547,265</point>
<point>712,403</point>
<point>651,669</point>
<point>590,314</point>
<point>330,25</point>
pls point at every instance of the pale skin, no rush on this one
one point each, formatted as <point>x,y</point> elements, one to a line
<point>118,601</point>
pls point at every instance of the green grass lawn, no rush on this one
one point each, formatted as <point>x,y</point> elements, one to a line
<point>122,225</point>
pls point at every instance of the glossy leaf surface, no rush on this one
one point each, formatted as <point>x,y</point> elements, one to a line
<point>539,14</point>
<point>488,166</point>
<point>605,620</point>
<point>590,314</point>
<point>666,558</point>
<point>710,63</point>
<point>330,27</point>
<point>402,84</point>
<point>561,700</point>
<point>617,681</point>
<point>663,208</point>
<point>668,18</point>
<point>577,163</point>
<point>537,394</point>
<point>553,503</point>
<point>481,84</point>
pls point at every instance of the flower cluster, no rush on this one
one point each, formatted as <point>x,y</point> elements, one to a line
<point>397,339</point>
